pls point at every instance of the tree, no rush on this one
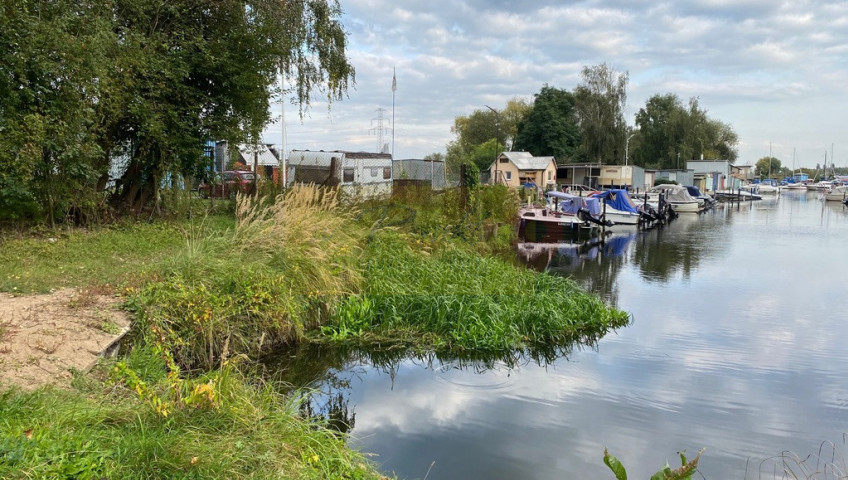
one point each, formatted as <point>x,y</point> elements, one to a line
<point>767,166</point>
<point>671,133</point>
<point>599,103</point>
<point>52,60</point>
<point>192,70</point>
<point>84,82</point>
<point>550,128</point>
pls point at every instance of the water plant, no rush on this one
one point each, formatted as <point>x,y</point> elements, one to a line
<point>684,472</point>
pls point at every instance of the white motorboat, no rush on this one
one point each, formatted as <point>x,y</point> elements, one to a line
<point>678,197</point>
<point>764,187</point>
<point>838,194</point>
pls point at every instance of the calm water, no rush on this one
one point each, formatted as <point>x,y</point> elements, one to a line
<point>739,345</point>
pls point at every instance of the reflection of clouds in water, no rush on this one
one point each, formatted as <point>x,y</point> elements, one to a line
<point>745,357</point>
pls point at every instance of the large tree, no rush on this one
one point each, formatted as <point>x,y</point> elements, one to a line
<point>193,70</point>
<point>599,102</point>
<point>84,82</point>
<point>767,166</point>
<point>484,133</point>
<point>671,133</point>
<point>550,127</point>
<point>52,59</point>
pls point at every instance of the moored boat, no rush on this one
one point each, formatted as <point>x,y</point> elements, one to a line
<point>563,216</point>
<point>838,194</point>
<point>678,197</point>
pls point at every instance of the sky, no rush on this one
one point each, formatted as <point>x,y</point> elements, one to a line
<point>776,72</point>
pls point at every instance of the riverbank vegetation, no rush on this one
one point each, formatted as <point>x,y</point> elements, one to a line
<point>210,293</point>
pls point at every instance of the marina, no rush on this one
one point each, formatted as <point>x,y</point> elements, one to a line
<point>735,347</point>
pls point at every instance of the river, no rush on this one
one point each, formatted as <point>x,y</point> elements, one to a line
<point>737,346</point>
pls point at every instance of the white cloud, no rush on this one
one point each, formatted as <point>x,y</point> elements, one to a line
<point>754,65</point>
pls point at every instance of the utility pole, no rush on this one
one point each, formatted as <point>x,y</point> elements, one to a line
<point>378,128</point>
<point>497,137</point>
<point>394,89</point>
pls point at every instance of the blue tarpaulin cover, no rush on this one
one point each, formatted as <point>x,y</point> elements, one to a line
<point>570,204</point>
<point>618,199</point>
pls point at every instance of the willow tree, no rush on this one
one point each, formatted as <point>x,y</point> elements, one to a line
<point>188,71</point>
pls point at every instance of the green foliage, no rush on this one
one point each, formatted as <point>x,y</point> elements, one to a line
<point>226,427</point>
<point>599,102</point>
<point>84,83</point>
<point>551,127</point>
<point>670,133</point>
<point>767,166</point>
<point>456,300</point>
<point>685,472</point>
<point>483,134</point>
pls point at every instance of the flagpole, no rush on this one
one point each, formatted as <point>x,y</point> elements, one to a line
<point>394,88</point>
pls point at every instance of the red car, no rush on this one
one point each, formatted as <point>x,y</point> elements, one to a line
<point>227,184</point>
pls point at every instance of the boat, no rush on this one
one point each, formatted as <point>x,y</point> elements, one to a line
<point>620,208</point>
<point>706,202</point>
<point>765,186</point>
<point>837,194</point>
<point>678,197</point>
<point>563,216</point>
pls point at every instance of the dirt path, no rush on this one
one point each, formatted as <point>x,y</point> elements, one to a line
<point>44,337</point>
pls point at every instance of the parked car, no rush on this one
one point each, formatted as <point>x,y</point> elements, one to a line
<point>227,184</point>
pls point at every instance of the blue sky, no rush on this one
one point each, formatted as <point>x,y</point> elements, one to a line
<point>777,72</point>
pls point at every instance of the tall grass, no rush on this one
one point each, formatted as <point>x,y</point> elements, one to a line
<point>286,262</point>
<point>106,431</point>
<point>458,300</point>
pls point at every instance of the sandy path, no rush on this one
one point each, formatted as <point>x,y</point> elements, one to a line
<point>44,337</point>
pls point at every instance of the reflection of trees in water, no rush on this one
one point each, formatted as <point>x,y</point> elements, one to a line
<point>594,263</point>
<point>677,248</point>
<point>659,254</point>
<point>321,375</point>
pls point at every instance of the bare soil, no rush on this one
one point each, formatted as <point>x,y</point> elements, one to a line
<point>44,338</point>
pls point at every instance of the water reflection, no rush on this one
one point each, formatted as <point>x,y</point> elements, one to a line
<point>737,345</point>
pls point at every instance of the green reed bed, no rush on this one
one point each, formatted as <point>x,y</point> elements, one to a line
<point>457,300</point>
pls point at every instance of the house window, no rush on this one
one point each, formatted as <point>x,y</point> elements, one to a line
<point>387,172</point>
<point>373,172</point>
<point>347,175</point>
<point>504,160</point>
<point>509,175</point>
<point>549,175</point>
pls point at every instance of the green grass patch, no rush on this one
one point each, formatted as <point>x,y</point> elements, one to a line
<point>454,299</point>
<point>112,255</point>
<point>108,431</point>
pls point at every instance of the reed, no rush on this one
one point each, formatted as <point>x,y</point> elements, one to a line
<point>458,300</point>
<point>283,266</point>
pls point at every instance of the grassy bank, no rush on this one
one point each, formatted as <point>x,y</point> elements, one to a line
<point>218,425</point>
<point>210,293</point>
